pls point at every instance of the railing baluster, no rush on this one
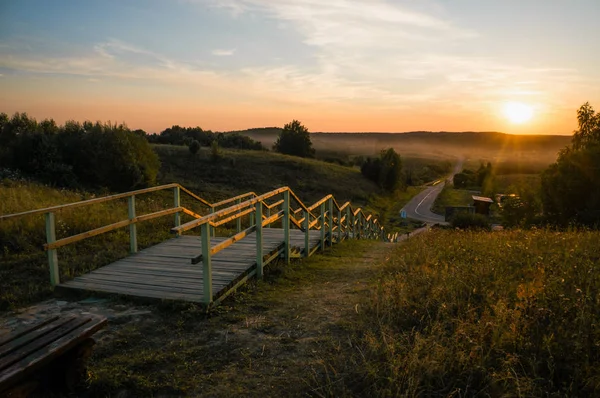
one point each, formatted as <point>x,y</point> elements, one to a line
<point>339,239</point>
<point>306,234</point>
<point>238,222</point>
<point>259,241</point>
<point>177,203</point>
<point>269,215</point>
<point>206,263</point>
<point>330,221</point>
<point>323,226</point>
<point>286,225</point>
<point>348,225</point>
<point>133,246</point>
<point>52,256</point>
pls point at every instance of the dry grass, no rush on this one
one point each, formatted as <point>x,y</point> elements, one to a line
<point>482,314</point>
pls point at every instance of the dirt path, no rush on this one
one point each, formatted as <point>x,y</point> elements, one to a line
<point>269,340</point>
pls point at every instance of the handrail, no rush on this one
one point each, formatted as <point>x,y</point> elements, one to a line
<point>195,223</point>
<point>89,201</point>
<point>326,216</point>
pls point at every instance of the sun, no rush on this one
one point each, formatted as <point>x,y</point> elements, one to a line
<point>518,112</point>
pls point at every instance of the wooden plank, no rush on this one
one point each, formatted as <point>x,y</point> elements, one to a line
<point>54,348</point>
<point>26,336</point>
<point>9,336</point>
<point>128,290</point>
<point>63,327</point>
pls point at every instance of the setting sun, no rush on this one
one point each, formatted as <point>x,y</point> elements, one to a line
<point>517,112</point>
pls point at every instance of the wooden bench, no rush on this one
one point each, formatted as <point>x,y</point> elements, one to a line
<point>63,342</point>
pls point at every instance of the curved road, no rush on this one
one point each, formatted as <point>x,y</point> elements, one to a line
<point>419,207</point>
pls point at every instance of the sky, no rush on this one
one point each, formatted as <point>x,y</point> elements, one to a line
<point>335,65</point>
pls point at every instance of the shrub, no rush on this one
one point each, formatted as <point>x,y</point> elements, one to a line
<point>194,147</point>
<point>470,221</point>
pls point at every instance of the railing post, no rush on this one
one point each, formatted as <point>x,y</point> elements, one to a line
<point>251,219</point>
<point>177,203</point>
<point>268,215</point>
<point>348,225</point>
<point>52,257</point>
<point>360,225</point>
<point>330,221</point>
<point>212,229</point>
<point>133,246</point>
<point>323,226</point>
<point>339,239</point>
<point>306,233</point>
<point>238,222</point>
<point>354,227</point>
<point>206,263</point>
<point>286,225</point>
<point>259,241</point>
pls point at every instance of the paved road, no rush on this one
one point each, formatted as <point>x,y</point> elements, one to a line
<point>419,207</point>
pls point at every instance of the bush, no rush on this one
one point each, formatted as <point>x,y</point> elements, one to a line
<point>89,154</point>
<point>470,221</point>
<point>194,147</point>
<point>386,170</point>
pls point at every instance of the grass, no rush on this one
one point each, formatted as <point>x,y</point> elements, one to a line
<point>452,197</point>
<point>388,208</point>
<point>268,339</point>
<point>240,171</point>
<point>507,182</point>
<point>512,313</point>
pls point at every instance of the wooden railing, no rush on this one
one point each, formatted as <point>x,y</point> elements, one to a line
<point>326,215</point>
<point>334,221</point>
<point>52,244</point>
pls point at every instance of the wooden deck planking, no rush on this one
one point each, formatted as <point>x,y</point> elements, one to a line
<point>164,271</point>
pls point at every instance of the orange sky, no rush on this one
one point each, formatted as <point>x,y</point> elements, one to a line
<point>346,65</point>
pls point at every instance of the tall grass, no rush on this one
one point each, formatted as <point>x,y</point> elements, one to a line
<point>478,314</point>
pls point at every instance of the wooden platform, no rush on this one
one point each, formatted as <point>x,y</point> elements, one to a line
<point>165,271</point>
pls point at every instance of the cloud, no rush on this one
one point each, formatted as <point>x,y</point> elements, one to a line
<point>223,53</point>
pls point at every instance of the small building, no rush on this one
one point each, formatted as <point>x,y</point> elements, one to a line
<point>482,204</point>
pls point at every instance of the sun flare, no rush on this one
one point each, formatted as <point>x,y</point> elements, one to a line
<point>518,112</point>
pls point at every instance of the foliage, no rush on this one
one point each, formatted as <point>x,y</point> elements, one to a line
<point>294,140</point>
<point>215,151</point>
<point>451,197</point>
<point>504,314</point>
<point>571,186</point>
<point>481,178</point>
<point>177,135</point>
<point>523,209</point>
<point>87,154</point>
<point>463,220</point>
<point>386,170</point>
<point>194,147</point>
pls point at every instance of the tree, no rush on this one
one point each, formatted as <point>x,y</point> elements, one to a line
<point>194,147</point>
<point>386,170</point>
<point>294,140</point>
<point>571,186</point>
<point>390,175</point>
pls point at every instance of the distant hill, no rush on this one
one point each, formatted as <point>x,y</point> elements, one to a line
<point>438,144</point>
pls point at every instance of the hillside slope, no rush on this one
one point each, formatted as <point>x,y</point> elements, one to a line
<point>240,171</point>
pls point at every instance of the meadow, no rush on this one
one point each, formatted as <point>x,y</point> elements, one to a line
<point>479,314</point>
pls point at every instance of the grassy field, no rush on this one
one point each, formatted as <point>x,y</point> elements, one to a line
<point>239,171</point>
<point>504,183</point>
<point>452,197</point>
<point>480,314</point>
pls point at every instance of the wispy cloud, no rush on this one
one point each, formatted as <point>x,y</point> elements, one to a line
<point>223,53</point>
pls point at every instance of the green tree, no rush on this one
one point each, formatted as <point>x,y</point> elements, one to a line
<point>294,140</point>
<point>571,186</point>
<point>390,175</point>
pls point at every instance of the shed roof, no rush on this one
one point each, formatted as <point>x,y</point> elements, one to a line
<point>482,199</point>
